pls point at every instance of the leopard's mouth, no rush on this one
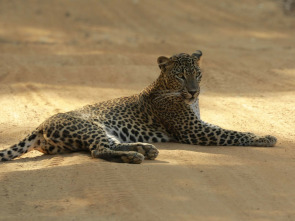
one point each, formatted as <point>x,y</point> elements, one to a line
<point>190,100</point>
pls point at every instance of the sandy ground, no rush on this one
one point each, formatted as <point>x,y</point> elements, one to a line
<point>59,55</point>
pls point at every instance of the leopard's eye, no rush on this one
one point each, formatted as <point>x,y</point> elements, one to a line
<point>181,76</point>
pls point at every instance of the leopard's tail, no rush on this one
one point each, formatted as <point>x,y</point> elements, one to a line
<point>24,146</point>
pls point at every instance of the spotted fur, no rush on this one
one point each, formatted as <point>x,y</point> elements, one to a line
<point>122,129</point>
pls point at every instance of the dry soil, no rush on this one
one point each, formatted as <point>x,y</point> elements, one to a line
<point>56,56</point>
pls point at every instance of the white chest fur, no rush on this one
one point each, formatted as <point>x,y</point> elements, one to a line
<point>195,108</point>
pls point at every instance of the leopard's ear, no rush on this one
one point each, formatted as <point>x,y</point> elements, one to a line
<point>163,62</point>
<point>197,55</point>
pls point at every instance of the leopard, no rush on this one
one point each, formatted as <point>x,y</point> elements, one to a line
<point>125,129</point>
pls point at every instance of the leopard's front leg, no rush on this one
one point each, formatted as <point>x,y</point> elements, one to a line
<point>201,133</point>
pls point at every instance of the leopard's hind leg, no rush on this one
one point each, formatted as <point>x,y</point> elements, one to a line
<point>64,132</point>
<point>148,150</point>
<point>107,148</point>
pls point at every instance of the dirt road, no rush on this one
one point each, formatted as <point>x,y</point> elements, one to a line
<point>59,55</point>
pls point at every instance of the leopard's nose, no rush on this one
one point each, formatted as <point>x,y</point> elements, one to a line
<point>192,92</point>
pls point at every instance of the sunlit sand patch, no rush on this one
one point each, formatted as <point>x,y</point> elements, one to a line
<point>33,34</point>
<point>267,34</point>
<point>31,161</point>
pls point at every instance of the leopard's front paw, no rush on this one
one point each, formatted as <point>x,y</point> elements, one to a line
<point>265,141</point>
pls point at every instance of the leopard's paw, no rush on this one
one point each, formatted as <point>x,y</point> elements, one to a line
<point>265,141</point>
<point>150,151</point>
<point>132,157</point>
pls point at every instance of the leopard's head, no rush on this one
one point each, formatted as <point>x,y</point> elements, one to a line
<point>181,74</point>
